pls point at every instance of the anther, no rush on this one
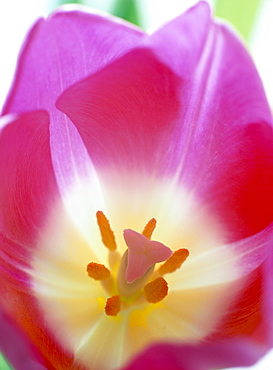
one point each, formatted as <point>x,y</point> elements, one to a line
<point>112,306</point>
<point>98,271</point>
<point>174,262</point>
<point>149,228</point>
<point>156,290</point>
<point>107,233</point>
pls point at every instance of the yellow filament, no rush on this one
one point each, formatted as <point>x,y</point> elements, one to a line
<point>156,290</point>
<point>149,228</point>
<point>98,271</point>
<point>112,307</point>
<point>107,233</point>
<point>174,262</point>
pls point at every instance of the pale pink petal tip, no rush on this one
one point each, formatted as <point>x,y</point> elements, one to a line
<point>142,254</point>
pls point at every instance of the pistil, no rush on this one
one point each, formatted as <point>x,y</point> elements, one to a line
<point>142,254</point>
<point>126,289</point>
<point>133,283</point>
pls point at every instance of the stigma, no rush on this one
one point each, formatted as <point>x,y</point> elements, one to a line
<point>135,280</point>
<point>142,254</point>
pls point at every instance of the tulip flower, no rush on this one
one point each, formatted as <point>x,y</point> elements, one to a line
<point>136,197</point>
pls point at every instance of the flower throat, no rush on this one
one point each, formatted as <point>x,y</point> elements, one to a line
<point>132,278</point>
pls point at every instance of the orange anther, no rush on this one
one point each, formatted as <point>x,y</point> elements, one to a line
<point>112,307</point>
<point>107,233</point>
<point>149,228</point>
<point>156,290</point>
<point>174,262</point>
<point>97,271</point>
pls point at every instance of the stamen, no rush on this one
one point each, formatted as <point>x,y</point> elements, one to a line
<point>98,271</point>
<point>107,233</point>
<point>156,290</point>
<point>174,262</point>
<point>149,228</point>
<point>112,307</point>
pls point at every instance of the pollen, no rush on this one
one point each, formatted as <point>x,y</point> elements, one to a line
<point>107,234</point>
<point>174,262</point>
<point>156,290</point>
<point>149,228</point>
<point>112,306</point>
<point>98,271</point>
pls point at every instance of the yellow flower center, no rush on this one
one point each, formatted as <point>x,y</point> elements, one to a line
<point>132,291</point>
<point>138,261</point>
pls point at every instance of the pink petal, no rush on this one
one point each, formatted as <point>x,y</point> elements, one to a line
<point>131,106</point>
<point>204,356</point>
<point>267,304</point>
<point>24,338</point>
<point>247,313</point>
<point>33,340</point>
<point>203,119</point>
<point>63,49</point>
<point>27,182</point>
<point>31,332</point>
<point>143,253</point>
<point>28,190</point>
<point>58,52</point>
<point>179,44</point>
<point>252,251</point>
<point>76,176</point>
<point>251,312</point>
<point>242,184</point>
<point>17,348</point>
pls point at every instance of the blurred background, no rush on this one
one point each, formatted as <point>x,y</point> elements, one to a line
<point>253,20</point>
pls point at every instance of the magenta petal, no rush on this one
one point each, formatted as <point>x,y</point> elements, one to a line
<point>132,107</point>
<point>204,121</point>
<point>59,51</point>
<point>63,49</point>
<point>179,44</point>
<point>17,347</point>
<point>251,252</point>
<point>133,104</point>
<point>268,297</point>
<point>239,184</point>
<point>27,181</point>
<point>225,143</point>
<point>184,104</point>
<point>205,356</point>
<point>28,193</point>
